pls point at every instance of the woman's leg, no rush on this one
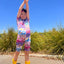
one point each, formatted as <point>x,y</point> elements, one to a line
<point>27,49</point>
<point>26,55</point>
<point>18,47</point>
<point>16,55</point>
<point>14,60</point>
<point>27,60</point>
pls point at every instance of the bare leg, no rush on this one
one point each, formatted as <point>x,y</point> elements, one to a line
<point>26,55</point>
<point>16,55</point>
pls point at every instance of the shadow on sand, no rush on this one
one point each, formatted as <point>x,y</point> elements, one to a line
<point>18,63</point>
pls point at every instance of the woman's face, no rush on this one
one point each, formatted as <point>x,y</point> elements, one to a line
<point>23,15</point>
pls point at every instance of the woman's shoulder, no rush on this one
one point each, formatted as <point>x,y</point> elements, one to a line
<point>18,18</point>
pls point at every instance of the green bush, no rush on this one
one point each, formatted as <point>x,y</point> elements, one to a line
<point>51,42</point>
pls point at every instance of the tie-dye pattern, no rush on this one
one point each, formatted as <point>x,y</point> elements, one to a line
<point>23,36</point>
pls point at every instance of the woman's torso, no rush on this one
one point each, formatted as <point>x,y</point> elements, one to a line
<point>23,26</point>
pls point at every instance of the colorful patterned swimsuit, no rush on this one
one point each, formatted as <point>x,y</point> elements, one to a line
<point>23,36</point>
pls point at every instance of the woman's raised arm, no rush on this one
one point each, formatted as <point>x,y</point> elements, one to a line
<point>19,11</point>
<point>27,8</point>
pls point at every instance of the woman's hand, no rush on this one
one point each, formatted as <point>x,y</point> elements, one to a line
<point>27,0</point>
<point>24,1</point>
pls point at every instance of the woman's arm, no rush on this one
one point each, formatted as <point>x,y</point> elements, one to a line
<point>27,8</point>
<point>19,11</point>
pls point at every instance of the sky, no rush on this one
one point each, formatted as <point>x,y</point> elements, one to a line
<point>44,14</point>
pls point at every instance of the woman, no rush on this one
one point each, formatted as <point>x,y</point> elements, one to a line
<point>23,36</point>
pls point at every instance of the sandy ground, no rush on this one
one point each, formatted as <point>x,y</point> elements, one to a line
<point>7,59</point>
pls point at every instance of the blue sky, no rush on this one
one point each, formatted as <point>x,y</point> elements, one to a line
<point>44,14</point>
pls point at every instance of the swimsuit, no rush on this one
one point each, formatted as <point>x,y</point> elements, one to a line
<point>23,36</point>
